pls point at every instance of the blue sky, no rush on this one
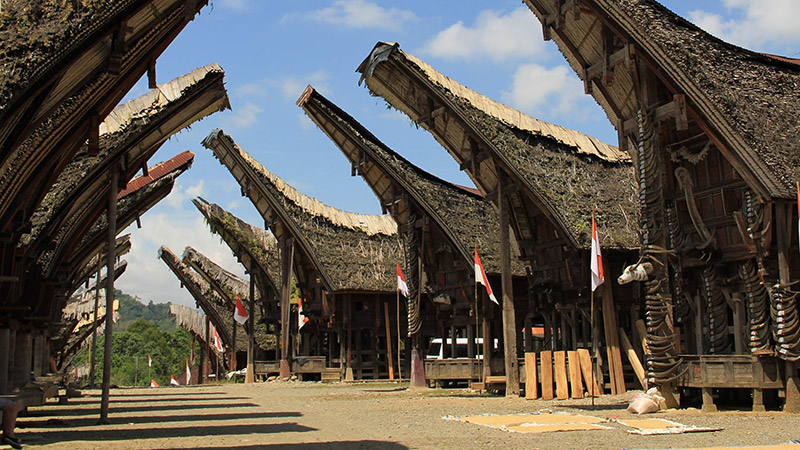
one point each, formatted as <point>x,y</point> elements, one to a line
<point>271,50</point>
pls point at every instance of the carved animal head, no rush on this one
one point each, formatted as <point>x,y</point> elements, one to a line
<point>635,272</point>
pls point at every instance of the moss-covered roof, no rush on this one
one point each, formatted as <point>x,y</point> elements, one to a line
<point>565,171</point>
<point>353,252</point>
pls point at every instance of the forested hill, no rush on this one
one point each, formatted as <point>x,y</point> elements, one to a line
<point>132,309</point>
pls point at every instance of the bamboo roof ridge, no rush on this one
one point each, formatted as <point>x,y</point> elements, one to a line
<point>254,247</point>
<point>461,213</point>
<point>189,319</point>
<point>748,100</point>
<point>563,180</point>
<point>213,273</point>
<point>580,142</point>
<point>122,247</point>
<point>350,255</point>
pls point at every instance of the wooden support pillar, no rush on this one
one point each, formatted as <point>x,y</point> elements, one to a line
<point>205,355</point>
<point>739,335</point>
<point>93,349</point>
<point>509,317</point>
<point>23,352</point>
<point>453,343</point>
<point>5,344</point>
<point>232,363</point>
<point>389,356</point>
<point>250,377</point>
<point>488,339</point>
<point>287,263</point>
<point>348,301</point>
<point>471,347</point>
<point>111,245</point>
<point>39,347</point>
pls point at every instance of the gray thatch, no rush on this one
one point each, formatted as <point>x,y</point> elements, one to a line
<point>564,172</point>
<point>254,247</point>
<point>460,213</point>
<point>748,100</point>
<point>352,252</point>
<point>189,319</point>
<point>122,247</point>
<point>82,303</point>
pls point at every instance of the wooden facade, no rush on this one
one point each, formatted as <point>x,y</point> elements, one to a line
<point>711,129</point>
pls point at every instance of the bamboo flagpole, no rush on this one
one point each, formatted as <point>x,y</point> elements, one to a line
<point>402,287</point>
<point>597,278</point>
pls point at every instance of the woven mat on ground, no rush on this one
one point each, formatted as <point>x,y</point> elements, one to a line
<point>537,422</point>
<point>660,426</point>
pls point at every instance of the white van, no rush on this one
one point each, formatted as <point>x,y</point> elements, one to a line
<point>436,351</point>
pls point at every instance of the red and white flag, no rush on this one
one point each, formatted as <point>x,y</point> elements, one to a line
<point>480,276</point>
<point>188,373</point>
<point>239,314</point>
<point>149,361</point>
<point>191,355</point>
<point>217,340</point>
<point>301,318</point>
<point>153,383</point>
<point>401,282</point>
<point>596,259</point>
<point>173,381</point>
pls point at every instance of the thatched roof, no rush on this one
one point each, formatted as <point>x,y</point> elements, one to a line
<point>82,302</point>
<point>462,215</point>
<point>62,70</point>
<point>748,101</point>
<point>189,319</point>
<point>134,131</point>
<point>122,247</point>
<point>223,280</point>
<point>563,173</point>
<point>254,247</point>
<point>353,252</point>
<point>207,298</point>
<point>132,205</point>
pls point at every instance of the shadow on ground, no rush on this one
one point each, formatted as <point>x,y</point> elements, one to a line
<point>113,409</point>
<point>100,435</point>
<point>149,418</point>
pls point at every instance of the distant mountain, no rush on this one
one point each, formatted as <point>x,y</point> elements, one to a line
<point>131,308</point>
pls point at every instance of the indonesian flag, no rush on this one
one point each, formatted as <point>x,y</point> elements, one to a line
<point>153,384</point>
<point>597,261</point>
<point>191,355</point>
<point>480,276</point>
<point>188,373</point>
<point>173,381</point>
<point>301,318</point>
<point>401,282</point>
<point>239,314</point>
<point>217,340</point>
<point>149,361</point>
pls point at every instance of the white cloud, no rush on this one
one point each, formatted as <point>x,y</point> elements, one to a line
<point>493,36</point>
<point>179,196</point>
<point>305,122</point>
<point>357,14</point>
<point>239,5</point>
<point>763,24</point>
<point>292,86</point>
<point>243,116</point>
<point>536,89</point>
<point>250,90</point>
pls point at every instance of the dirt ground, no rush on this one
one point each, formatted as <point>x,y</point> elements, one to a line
<point>293,415</point>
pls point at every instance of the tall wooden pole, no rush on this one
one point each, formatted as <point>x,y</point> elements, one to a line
<point>205,355</point>
<point>287,255</point>
<point>110,256</point>
<point>233,340</point>
<point>509,317</point>
<point>399,361</point>
<point>93,362</point>
<point>250,377</point>
<point>389,341</point>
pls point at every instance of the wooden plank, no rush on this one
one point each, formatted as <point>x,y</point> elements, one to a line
<point>547,374</point>
<point>531,382</point>
<point>612,342</point>
<point>589,378</point>
<point>632,358</point>
<point>576,385</point>
<point>562,388</point>
<point>641,331</point>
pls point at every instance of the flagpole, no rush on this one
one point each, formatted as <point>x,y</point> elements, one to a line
<point>399,362</point>
<point>477,322</point>
<point>594,348</point>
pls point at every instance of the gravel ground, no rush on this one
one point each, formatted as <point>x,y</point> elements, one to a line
<point>291,415</point>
